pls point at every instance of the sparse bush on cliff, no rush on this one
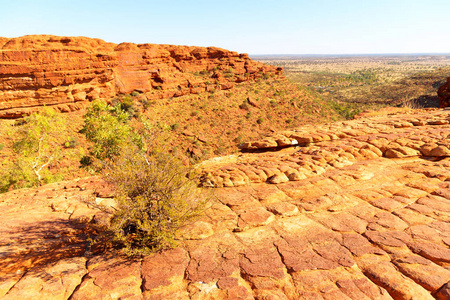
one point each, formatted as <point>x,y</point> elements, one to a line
<point>153,193</point>
<point>126,103</point>
<point>244,105</point>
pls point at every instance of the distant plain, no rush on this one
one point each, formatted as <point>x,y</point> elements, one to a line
<point>369,80</point>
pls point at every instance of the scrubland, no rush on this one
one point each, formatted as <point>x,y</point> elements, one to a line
<point>369,81</point>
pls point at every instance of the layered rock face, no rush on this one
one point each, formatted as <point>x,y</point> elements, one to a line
<point>69,71</point>
<point>444,94</point>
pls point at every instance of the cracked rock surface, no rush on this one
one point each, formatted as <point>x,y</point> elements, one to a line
<point>356,210</point>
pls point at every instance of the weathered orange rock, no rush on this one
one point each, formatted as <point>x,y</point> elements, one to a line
<point>68,71</point>
<point>444,292</point>
<point>444,94</point>
<point>55,281</point>
<point>109,276</point>
<point>372,228</point>
<point>163,274</point>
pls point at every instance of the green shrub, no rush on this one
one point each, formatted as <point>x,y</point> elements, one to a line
<point>154,200</point>
<point>14,175</point>
<point>346,110</point>
<point>260,120</point>
<point>37,145</point>
<point>154,195</point>
<point>244,105</point>
<point>20,122</point>
<point>135,93</point>
<point>71,142</point>
<point>127,104</point>
<point>145,103</point>
<point>86,161</point>
<point>107,127</point>
<point>115,101</point>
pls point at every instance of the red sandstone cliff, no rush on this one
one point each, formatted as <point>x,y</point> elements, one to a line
<point>68,71</point>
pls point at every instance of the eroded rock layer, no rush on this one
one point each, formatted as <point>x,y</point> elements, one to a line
<point>372,226</point>
<point>68,71</point>
<point>331,146</point>
<point>444,94</point>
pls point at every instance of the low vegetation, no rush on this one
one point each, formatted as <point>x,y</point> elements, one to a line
<point>371,82</point>
<point>41,148</point>
<point>419,88</point>
<point>213,124</point>
<point>108,129</point>
<point>154,195</point>
<point>36,147</point>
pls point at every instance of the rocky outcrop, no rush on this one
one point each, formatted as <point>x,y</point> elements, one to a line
<point>66,72</point>
<point>360,224</point>
<point>321,148</point>
<point>444,94</point>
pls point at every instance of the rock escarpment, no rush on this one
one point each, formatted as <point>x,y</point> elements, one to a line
<point>68,71</point>
<point>365,217</point>
<point>444,94</point>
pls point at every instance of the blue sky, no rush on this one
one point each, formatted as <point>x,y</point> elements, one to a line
<point>255,27</point>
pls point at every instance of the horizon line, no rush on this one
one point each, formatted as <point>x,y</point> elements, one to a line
<point>359,54</point>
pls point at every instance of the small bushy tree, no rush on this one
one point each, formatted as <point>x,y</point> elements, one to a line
<point>154,195</point>
<point>38,144</point>
<point>108,128</point>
